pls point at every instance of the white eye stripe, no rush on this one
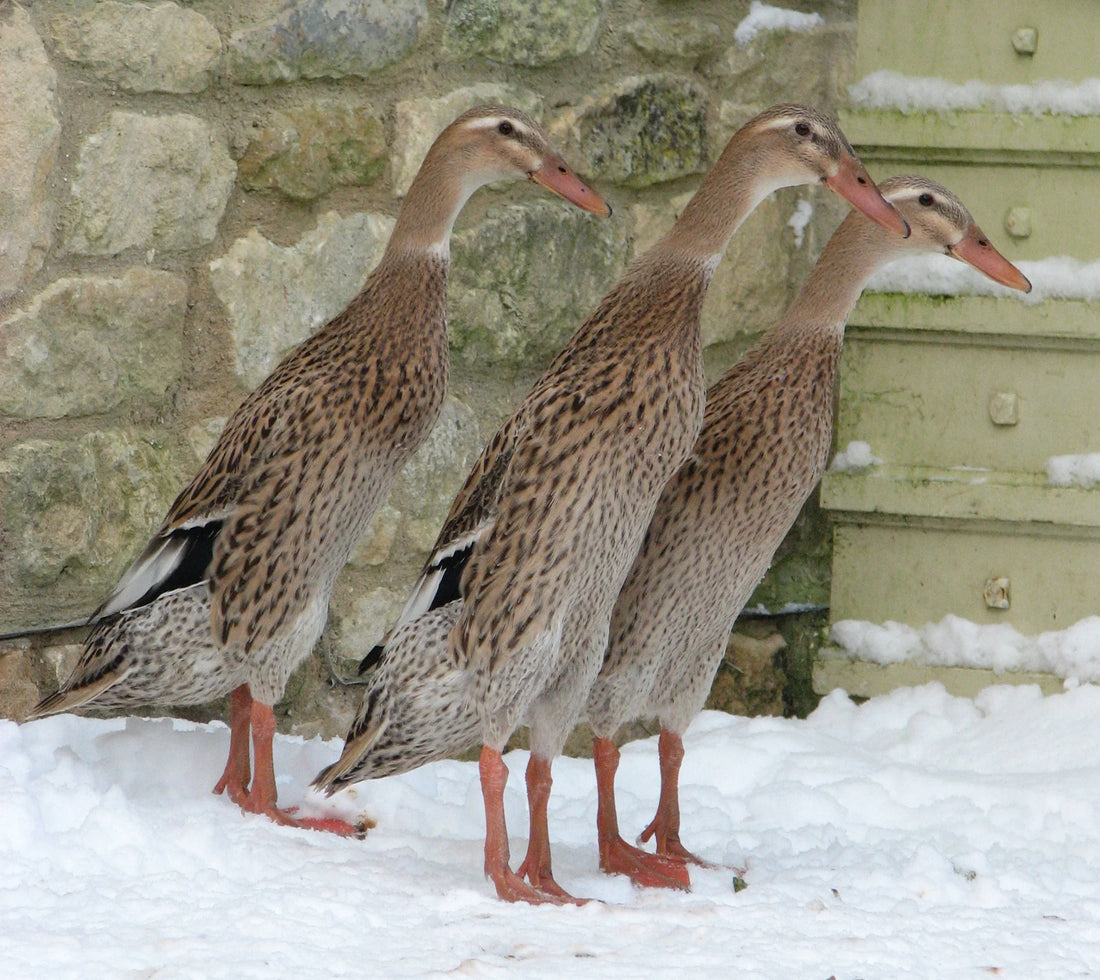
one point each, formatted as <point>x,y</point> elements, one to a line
<point>492,122</point>
<point>780,122</point>
<point>907,194</point>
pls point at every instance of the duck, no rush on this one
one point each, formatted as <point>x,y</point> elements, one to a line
<point>232,591</point>
<point>542,535</point>
<point>766,438</point>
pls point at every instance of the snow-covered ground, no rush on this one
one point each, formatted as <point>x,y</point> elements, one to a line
<point>916,835</point>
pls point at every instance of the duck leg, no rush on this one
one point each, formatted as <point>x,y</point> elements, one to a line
<point>665,826</point>
<point>616,855</point>
<point>536,865</point>
<point>263,794</point>
<point>238,771</point>
<point>510,886</point>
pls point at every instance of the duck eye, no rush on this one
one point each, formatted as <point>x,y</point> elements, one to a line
<point>505,128</point>
<point>803,129</point>
<point>926,200</point>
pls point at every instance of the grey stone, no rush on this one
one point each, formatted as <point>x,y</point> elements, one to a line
<point>86,345</point>
<point>75,514</point>
<point>675,38</point>
<point>29,134</point>
<point>523,32</point>
<point>326,39</point>
<point>277,296</point>
<point>308,150</point>
<point>421,120</point>
<point>524,279</point>
<point>157,182</point>
<point>647,129</point>
<point>142,47</point>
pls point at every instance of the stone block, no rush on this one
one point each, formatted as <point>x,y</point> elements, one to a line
<point>18,688</point>
<point>308,150</point>
<point>523,32</point>
<point>75,513</point>
<point>421,120</point>
<point>645,130</point>
<point>422,493</point>
<point>87,345</point>
<point>29,134</point>
<point>326,39</point>
<point>428,483</point>
<point>524,279</point>
<point>671,39</point>
<point>750,679</point>
<point>814,67</point>
<point>361,622</point>
<point>277,296</point>
<point>141,47</point>
<point>156,182</point>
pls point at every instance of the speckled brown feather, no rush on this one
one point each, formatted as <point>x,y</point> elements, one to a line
<point>589,448</point>
<point>254,543</point>
<point>343,436</point>
<point>555,509</point>
<point>765,443</point>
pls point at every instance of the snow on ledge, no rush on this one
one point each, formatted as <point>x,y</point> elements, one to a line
<point>910,94</point>
<point>1082,470</point>
<point>1073,653</point>
<point>856,457</point>
<point>764,17</point>
<point>1057,277</point>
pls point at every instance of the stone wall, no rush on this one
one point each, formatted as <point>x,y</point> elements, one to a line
<point>186,190</point>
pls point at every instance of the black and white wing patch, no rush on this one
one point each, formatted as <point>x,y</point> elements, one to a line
<point>176,560</point>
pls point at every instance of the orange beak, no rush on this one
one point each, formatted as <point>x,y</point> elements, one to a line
<point>854,184</point>
<point>555,175</point>
<point>974,249</point>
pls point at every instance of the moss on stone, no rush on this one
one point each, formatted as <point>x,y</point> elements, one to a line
<point>524,280</point>
<point>523,32</point>
<point>650,129</point>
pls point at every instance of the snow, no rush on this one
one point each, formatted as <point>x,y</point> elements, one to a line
<point>854,458</point>
<point>1082,470</point>
<point>1057,277</point>
<point>917,835</point>
<point>803,212</point>
<point>906,93</point>
<point>1072,653</point>
<point>764,17</point>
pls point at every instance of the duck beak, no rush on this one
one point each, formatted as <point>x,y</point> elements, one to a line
<point>852,182</point>
<point>555,175</point>
<point>974,249</point>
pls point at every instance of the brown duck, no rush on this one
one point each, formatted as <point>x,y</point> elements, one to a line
<point>765,442</point>
<point>233,590</point>
<point>545,529</point>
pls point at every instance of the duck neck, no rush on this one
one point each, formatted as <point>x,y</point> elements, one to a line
<point>857,249</point>
<point>736,184</point>
<point>439,191</point>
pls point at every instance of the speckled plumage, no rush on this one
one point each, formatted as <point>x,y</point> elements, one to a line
<point>765,443</point>
<point>416,706</point>
<point>254,543</point>
<point>551,517</point>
